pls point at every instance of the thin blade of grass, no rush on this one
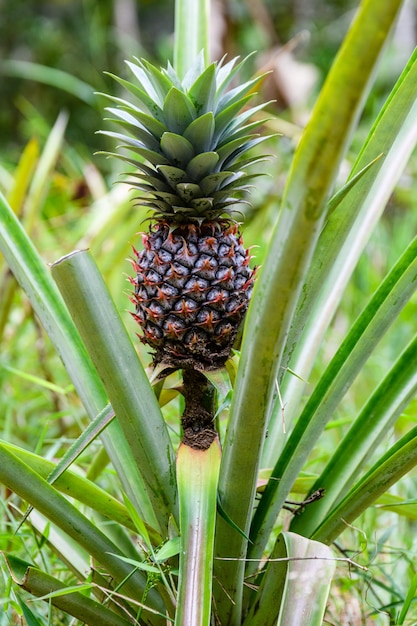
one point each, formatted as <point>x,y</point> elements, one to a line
<point>50,76</point>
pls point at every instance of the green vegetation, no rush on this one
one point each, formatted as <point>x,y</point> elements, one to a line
<point>306,511</point>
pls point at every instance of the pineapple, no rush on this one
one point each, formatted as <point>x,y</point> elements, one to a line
<point>193,281</point>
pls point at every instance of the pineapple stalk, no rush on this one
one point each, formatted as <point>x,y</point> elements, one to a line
<point>198,417</point>
<point>189,41</point>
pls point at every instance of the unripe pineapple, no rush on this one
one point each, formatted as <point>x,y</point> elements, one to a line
<point>193,281</point>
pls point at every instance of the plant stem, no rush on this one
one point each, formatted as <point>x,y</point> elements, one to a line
<point>191,33</point>
<point>197,472</point>
<point>198,416</point>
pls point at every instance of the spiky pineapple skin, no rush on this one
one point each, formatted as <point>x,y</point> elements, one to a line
<point>191,292</point>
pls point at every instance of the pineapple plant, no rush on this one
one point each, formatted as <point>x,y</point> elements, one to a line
<point>189,139</point>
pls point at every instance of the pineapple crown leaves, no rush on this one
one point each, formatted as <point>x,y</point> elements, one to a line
<point>193,134</point>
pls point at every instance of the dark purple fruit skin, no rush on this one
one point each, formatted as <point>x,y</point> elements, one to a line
<point>191,291</point>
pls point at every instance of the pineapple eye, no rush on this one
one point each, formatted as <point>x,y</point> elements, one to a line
<point>196,284</point>
<point>217,295</point>
<point>169,290</point>
<point>234,304</point>
<point>208,316</point>
<point>224,329</point>
<point>224,273</point>
<point>185,305</point>
<point>153,277</point>
<point>164,256</point>
<point>174,327</point>
<point>240,281</point>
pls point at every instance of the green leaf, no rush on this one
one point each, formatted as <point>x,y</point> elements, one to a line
<point>18,477</point>
<point>198,472</point>
<point>36,380</point>
<point>33,276</point>
<point>173,175</point>
<point>200,133</point>
<point>202,92</point>
<point>76,604</point>
<point>188,191</point>
<point>395,463</point>
<point>179,111</point>
<point>74,485</point>
<point>238,94</point>
<point>143,97</point>
<point>153,125</point>
<point>238,121</point>
<point>295,585</point>
<point>213,182</point>
<point>191,34</point>
<point>367,331</point>
<point>126,382</point>
<point>50,76</point>
<point>230,152</point>
<point>168,198</point>
<point>202,165</point>
<point>42,176</point>
<point>153,156</point>
<point>284,270</point>
<point>177,149</point>
<point>141,565</point>
<point>135,128</point>
<point>151,77</point>
<point>227,72</point>
<point>225,116</point>
<point>168,550</point>
<point>410,598</point>
<point>30,618</point>
<point>23,175</point>
<point>342,241</point>
<point>150,123</point>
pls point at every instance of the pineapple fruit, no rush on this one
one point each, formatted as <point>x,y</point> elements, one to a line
<point>188,139</point>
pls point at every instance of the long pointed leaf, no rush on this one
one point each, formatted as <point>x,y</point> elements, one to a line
<point>34,278</point>
<point>393,135</point>
<point>76,604</point>
<point>127,385</point>
<point>377,417</point>
<point>18,477</point>
<point>295,586</point>
<point>198,472</point>
<point>395,463</point>
<point>368,330</point>
<point>309,185</point>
